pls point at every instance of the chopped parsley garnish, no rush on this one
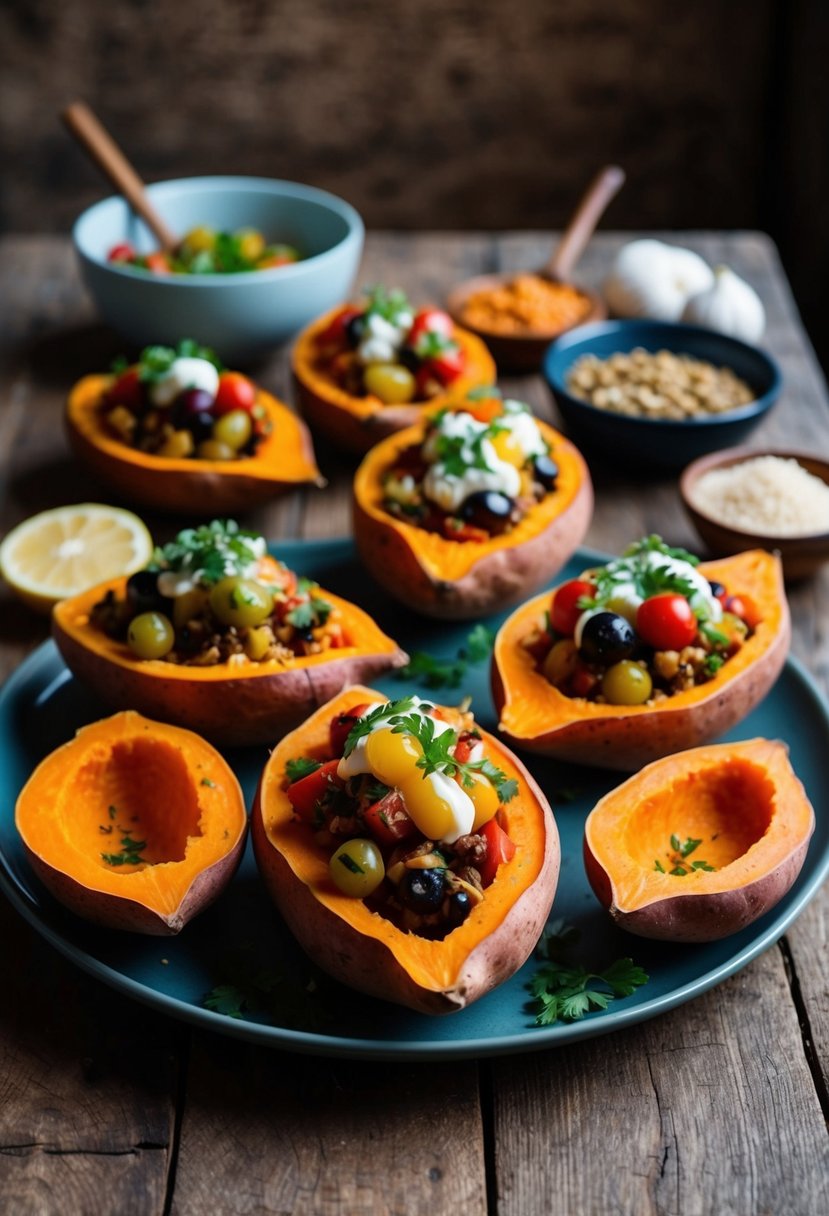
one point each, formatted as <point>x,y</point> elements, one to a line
<point>299,767</point>
<point>387,304</point>
<point>713,663</point>
<point>564,991</point>
<point>457,453</point>
<point>313,612</point>
<point>213,550</point>
<point>210,784</point>
<point>636,569</point>
<point>155,361</point>
<point>408,717</point>
<point>449,673</point>
<point>677,858</point>
<point>130,854</point>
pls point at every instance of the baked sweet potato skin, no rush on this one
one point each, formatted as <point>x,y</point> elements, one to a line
<point>240,705</point>
<point>461,580</point>
<point>536,717</point>
<point>364,950</point>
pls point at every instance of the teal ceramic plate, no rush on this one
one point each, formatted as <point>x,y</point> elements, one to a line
<point>238,948</point>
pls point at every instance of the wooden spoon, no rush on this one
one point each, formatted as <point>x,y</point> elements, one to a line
<point>102,148</point>
<point>523,351</point>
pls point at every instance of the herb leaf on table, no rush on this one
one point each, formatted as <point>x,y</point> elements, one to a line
<point>564,991</point>
<point>449,673</point>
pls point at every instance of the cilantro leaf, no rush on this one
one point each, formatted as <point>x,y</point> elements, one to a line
<point>449,673</point>
<point>567,993</point>
<point>299,767</point>
<point>226,999</point>
<point>212,550</point>
<point>130,854</point>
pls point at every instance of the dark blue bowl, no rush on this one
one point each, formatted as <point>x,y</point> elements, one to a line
<point>666,444</point>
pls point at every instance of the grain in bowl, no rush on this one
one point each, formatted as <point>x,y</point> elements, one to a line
<point>657,385</point>
<point>764,495</point>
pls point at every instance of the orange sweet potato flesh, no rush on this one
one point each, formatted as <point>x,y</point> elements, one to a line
<point>458,580</point>
<point>157,784</point>
<point>744,804</point>
<point>237,704</point>
<point>537,716</point>
<point>365,950</point>
<point>283,460</point>
<point>357,423</point>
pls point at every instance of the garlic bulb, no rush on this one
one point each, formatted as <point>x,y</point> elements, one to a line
<point>652,279</point>
<point>728,305</point>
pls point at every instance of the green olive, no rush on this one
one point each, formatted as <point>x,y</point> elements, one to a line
<point>393,383</point>
<point>357,868</point>
<point>233,429</point>
<point>150,635</point>
<point>241,602</point>
<point>188,605</point>
<point>626,683</point>
<point>561,661</point>
<point>212,449</point>
<point>178,446</point>
<point>622,607</point>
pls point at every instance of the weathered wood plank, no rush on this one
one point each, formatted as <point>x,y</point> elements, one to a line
<point>295,1137</point>
<point>87,1088</point>
<point>703,1110</point>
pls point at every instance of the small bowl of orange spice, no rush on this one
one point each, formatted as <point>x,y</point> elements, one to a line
<point>518,315</point>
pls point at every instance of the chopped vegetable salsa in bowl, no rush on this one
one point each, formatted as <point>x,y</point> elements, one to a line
<point>223,222</point>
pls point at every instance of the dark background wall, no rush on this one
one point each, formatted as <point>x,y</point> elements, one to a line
<point>440,113</point>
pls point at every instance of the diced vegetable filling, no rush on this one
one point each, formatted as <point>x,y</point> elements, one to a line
<point>410,810</point>
<point>215,595</point>
<point>642,628</point>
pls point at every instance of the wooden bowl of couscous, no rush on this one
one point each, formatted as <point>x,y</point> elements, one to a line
<point>744,498</point>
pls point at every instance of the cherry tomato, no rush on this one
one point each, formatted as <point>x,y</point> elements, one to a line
<point>484,409</point>
<point>430,321</point>
<point>334,333</point>
<point>235,392</point>
<point>388,820</point>
<point>121,253</point>
<point>499,848</point>
<point>666,621</point>
<point>465,746</point>
<point>341,726</point>
<point>565,611</point>
<point>158,263</point>
<point>745,608</point>
<point>127,390</point>
<point>304,794</point>
<point>582,682</point>
<point>427,385</point>
<point>447,365</point>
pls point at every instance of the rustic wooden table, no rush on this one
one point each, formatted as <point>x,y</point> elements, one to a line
<point>109,1107</point>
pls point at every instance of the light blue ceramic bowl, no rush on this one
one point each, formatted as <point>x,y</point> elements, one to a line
<point>239,315</point>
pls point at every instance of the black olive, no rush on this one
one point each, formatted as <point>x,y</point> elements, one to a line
<point>607,638</point>
<point>717,589</point>
<point>421,890</point>
<point>488,509</point>
<point>143,594</point>
<point>409,357</point>
<point>459,905</point>
<point>545,471</point>
<point>355,328</point>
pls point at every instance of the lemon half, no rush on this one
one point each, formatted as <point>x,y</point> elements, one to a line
<point>64,551</point>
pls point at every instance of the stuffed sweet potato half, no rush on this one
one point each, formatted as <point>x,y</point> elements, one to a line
<point>368,369</point>
<point>471,509</point>
<point>219,636</point>
<point>647,655</point>
<point>173,431</point>
<point>410,853</point>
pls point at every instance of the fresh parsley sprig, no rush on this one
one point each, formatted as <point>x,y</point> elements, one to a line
<point>299,767</point>
<point>449,673</point>
<point>437,757</point>
<point>677,858</point>
<point>130,854</point>
<point>155,361</point>
<point>566,991</point>
<point>312,612</point>
<point>215,549</point>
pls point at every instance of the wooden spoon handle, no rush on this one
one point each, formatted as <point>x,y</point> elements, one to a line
<point>605,185</point>
<point>109,158</point>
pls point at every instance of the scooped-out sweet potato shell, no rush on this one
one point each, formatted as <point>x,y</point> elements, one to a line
<point>538,717</point>
<point>283,460</point>
<point>357,423</point>
<point>133,824</point>
<point>362,948</point>
<point>749,814</point>
<point>458,580</point>
<point>235,703</point>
